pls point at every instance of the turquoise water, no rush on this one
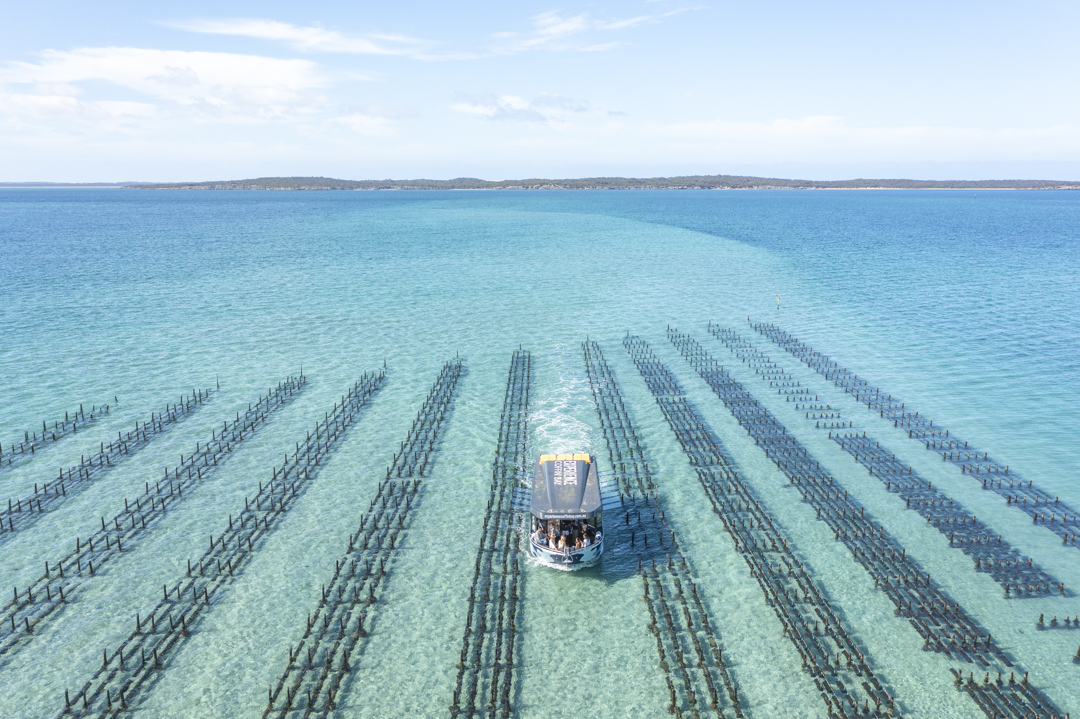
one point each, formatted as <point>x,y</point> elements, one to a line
<point>967,307</point>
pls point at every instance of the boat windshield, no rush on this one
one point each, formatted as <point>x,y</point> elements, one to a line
<point>566,534</point>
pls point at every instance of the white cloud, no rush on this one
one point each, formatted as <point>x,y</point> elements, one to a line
<point>310,37</point>
<point>366,124</point>
<point>372,120</point>
<point>545,108</point>
<point>628,22</point>
<point>600,137</point>
<point>552,31</point>
<point>826,138</point>
<point>550,27</point>
<point>504,107</point>
<point>27,115</point>
<point>199,84</point>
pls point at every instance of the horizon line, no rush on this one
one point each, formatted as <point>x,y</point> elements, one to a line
<point>595,182</point>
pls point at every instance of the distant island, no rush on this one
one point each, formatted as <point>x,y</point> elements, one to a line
<point>686,182</point>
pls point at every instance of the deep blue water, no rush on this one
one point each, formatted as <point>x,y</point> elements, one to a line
<point>966,306</point>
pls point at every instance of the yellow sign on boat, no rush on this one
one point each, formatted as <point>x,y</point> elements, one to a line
<point>579,457</point>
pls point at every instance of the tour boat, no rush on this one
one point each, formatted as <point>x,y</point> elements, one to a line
<point>567,510</point>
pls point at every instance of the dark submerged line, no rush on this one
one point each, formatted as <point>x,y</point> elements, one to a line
<point>937,618</point>
<point>489,645</point>
<point>25,511</point>
<point>675,621</point>
<point>132,667</point>
<point>1032,500</point>
<point>27,449</point>
<point>1017,574</point>
<point>47,596</point>
<point>316,670</point>
<point>842,673</point>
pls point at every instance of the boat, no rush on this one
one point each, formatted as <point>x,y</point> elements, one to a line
<point>567,511</point>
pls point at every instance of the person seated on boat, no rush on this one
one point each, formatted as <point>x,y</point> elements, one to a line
<point>565,533</point>
<point>562,542</point>
<point>585,540</point>
<point>540,538</point>
<point>578,544</point>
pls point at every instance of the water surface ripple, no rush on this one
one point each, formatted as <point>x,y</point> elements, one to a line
<point>966,306</point>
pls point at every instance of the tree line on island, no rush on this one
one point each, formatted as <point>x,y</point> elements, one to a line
<point>681,182</point>
<point>688,182</point>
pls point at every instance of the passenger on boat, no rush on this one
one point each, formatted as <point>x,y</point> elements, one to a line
<point>566,534</point>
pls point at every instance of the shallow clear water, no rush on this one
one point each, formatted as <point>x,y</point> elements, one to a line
<point>967,307</point>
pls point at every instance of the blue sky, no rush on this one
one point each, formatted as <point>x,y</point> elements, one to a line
<point>199,90</point>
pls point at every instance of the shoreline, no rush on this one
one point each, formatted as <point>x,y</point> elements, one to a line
<point>190,188</point>
<point>679,182</point>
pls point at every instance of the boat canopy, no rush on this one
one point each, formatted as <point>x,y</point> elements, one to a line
<point>565,486</point>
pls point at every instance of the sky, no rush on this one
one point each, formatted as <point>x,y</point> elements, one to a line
<point>136,91</point>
